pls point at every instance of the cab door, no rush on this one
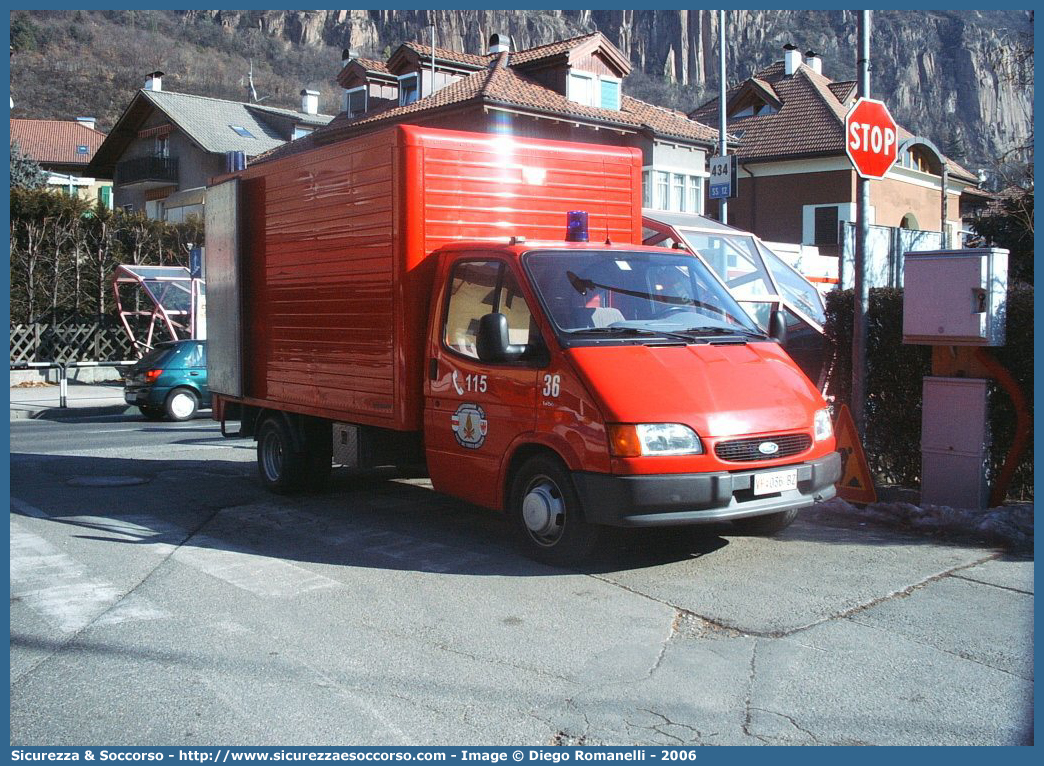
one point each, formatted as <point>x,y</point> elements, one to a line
<point>473,409</point>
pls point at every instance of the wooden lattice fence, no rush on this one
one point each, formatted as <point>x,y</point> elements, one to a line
<point>101,340</point>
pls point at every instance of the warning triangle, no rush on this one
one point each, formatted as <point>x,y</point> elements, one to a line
<point>855,484</point>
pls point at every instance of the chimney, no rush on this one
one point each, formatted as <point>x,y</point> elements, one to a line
<point>814,62</point>
<point>791,59</point>
<point>310,101</point>
<point>499,44</point>
<point>154,81</point>
<point>87,122</point>
<point>348,55</point>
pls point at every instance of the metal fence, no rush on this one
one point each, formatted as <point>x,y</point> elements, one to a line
<point>885,249</point>
<point>97,340</point>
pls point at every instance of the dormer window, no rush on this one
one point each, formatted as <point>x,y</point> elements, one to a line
<point>594,90</point>
<point>300,131</point>
<point>355,102</point>
<point>755,110</point>
<point>409,89</point>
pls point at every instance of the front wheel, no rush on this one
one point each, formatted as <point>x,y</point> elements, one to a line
<point>768,524</point>
<point>547,515</point>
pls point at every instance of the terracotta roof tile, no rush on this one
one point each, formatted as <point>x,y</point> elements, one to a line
<point>447,54</point>
<point>530,55</point>
<point>56,141</point>
<point>500,84</point>
<point>810,121</point>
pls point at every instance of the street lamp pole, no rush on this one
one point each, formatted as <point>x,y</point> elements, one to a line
<point>861,296</point>
<point>721,107</point>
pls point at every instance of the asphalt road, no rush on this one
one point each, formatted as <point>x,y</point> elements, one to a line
<point>159,596</point>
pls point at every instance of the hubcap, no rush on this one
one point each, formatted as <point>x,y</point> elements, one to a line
<point>182,405</point>
<point>543,511</point>
<point>272,456</point>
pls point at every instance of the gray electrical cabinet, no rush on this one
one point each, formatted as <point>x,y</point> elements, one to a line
<point>954,442</point>
<point>955,297</point>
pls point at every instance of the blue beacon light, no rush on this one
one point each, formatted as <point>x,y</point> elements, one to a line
<point>576,226</point>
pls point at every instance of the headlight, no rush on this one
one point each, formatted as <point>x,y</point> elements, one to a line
<point>653,439</point>
<point>823,427</point>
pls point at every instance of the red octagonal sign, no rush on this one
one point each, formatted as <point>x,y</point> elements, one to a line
<point>871,138</point>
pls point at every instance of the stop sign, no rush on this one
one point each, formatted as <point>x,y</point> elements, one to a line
<point>871,138</point>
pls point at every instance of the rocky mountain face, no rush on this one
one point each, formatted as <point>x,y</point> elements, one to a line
<point>962,78</point>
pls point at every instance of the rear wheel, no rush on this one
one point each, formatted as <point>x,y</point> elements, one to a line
<point>181,404</point>
<point>547,515</point>
<point>282,470</point>
<point>768,524</point>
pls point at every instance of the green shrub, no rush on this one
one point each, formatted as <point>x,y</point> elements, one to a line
<point>894,373</point>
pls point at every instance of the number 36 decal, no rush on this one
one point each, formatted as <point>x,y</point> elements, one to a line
<point>552,385</point>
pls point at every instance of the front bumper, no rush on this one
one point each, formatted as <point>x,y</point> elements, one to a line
<point>676,499</point>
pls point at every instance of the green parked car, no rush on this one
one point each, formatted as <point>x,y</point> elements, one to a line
<point>170,381</point>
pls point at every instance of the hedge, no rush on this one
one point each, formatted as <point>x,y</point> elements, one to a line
<point>894,373</point>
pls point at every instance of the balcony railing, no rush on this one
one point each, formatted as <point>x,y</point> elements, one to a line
<point>147,170</point>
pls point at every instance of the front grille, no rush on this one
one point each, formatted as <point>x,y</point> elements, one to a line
<point>746,450</point>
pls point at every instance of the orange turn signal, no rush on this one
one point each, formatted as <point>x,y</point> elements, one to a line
<point>624,441</point>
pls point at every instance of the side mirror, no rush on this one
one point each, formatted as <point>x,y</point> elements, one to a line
<point>778,327</point>
<point>492,341</point>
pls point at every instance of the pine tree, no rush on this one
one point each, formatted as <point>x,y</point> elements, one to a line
<point>26,172</point>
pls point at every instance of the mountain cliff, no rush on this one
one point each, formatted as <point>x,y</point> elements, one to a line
<point>962,78</point>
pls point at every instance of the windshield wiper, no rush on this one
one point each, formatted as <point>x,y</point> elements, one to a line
<point>703,331</point>
<point>632,331</point>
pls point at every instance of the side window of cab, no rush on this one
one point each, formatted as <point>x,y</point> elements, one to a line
<point>478,288</point>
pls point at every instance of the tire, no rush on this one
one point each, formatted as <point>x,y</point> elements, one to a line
<point>547,514</point>
<point>283,470</point>
<point>181,404</point>
<point>763,526</point>
<point>152,413</point>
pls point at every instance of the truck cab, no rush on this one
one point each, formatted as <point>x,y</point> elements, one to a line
<point>577,386</point>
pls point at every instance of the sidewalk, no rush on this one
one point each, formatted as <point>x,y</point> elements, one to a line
<point>81,400</point>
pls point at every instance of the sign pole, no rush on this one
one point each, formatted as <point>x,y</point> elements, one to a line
<point>861,297</point>
<point>721,108</point>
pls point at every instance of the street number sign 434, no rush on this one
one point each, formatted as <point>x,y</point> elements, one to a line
<point>871,138</point>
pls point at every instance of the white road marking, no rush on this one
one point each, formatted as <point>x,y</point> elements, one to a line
<point>57,588</point>
<point>261,575</point>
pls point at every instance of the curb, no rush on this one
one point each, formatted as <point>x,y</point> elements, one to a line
<point>58,413</point>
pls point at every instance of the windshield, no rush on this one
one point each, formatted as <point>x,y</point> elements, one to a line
<point>622,293</point>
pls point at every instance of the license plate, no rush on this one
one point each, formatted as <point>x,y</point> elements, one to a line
<point>776,481</point>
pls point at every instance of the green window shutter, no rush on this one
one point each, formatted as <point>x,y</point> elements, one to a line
<point>610,94</point>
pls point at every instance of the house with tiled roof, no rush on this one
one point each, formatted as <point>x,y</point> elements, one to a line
<point>166,146</point>
<point>571,90</point>
<point>796,183</point>
<point>64,148</point>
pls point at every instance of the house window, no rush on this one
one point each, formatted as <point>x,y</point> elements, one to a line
<point>409,89</point>
<point>672,192</point>
<point>162,146</point>
<point>581,88</point>
<point>355,102</point>
<point>239,130</point>
<point>825,232</point>
<point>300,131</point>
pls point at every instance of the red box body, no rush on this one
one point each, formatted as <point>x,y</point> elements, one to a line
<point>337,277</point>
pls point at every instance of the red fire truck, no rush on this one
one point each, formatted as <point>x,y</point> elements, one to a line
<point>476,305</point>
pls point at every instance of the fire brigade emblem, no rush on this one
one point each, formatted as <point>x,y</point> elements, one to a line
<point>469,426</point>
